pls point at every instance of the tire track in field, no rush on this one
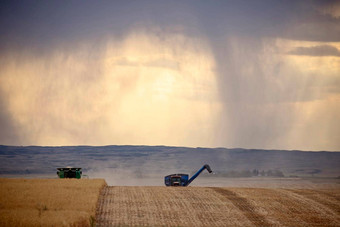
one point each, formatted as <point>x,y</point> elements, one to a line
<point>327,200</point>
<point>244,206</point>
<point>196,206</point>
<point>100,206</point>
<point>166,206</point>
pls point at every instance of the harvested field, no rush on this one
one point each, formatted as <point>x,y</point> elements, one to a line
<point>201,206</point>
<point>48,202</point>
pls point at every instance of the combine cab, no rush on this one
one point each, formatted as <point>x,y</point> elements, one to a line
<point>69,172</point>
<point>181,179</point>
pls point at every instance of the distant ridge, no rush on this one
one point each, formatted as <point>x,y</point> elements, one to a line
<point>162,159</point>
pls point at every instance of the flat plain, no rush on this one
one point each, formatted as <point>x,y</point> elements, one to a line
<point>217,206</point>
<point>72,202</point>
<point>48,202</point>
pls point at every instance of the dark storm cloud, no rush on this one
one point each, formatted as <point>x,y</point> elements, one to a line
<point>248,82</point>
<point>323,50</point>
<point>312,21</point>
<point>45,24</point>
<point>238,32</point>
<point>315,27</point>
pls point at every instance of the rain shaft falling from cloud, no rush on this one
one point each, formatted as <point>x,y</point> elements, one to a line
<point>194,73</point>
<point>139,90</point>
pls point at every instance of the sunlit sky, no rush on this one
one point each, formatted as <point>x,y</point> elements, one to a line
<point>250,74</point>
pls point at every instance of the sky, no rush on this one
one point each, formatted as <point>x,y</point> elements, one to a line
<point>251,74</point>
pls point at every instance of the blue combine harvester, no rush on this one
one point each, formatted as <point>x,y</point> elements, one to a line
<point>180,179</point>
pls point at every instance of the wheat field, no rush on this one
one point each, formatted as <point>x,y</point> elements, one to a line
<point>48,202</point>
<point>72,202</point>
<point>203,206</point>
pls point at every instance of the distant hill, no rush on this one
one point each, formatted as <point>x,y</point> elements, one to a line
<point>143,161</point>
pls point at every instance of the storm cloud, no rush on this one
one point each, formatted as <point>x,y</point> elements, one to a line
<point>324,50</point>
<point>190,73</point>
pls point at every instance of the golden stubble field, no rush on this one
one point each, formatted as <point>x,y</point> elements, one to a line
<point>48,202</point>
<point>72,202</point>
<point>203,206</point>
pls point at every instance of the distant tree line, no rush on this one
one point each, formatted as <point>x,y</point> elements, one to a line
<point>251,173</point>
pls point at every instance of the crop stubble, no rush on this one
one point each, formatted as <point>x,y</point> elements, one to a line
<point>199,206</point>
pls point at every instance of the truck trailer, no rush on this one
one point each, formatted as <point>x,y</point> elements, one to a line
<point>182,179</point>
